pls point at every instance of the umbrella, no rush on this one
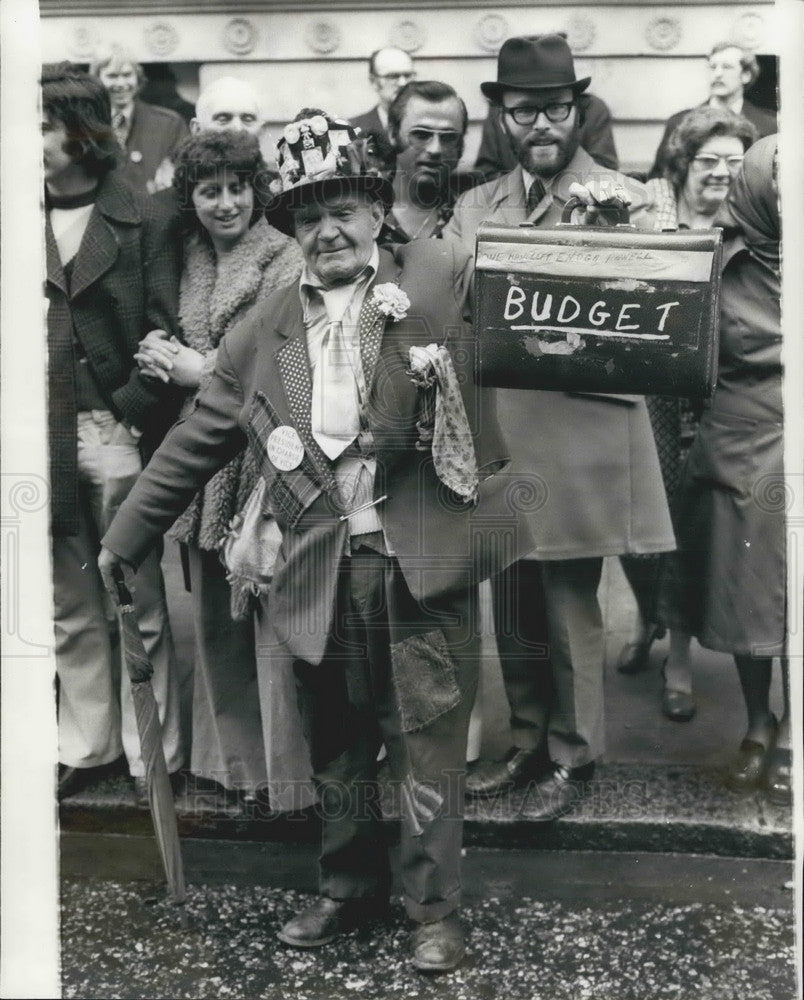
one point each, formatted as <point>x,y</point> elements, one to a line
<point>160,793</point>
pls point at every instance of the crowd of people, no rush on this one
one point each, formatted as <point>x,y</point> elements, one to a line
<point>271,365</point>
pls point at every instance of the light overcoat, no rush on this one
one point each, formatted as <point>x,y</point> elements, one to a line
<point>591,462</point>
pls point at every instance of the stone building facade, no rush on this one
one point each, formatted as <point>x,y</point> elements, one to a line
<point>645,59</point>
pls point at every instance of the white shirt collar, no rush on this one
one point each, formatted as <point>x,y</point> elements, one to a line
<point>343,293</point>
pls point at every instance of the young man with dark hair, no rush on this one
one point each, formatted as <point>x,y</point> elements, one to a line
<point>110,279</point>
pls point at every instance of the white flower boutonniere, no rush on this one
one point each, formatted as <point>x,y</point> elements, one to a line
<point>391,300</point>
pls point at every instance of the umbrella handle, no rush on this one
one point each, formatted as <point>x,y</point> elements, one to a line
<point>123,593</point>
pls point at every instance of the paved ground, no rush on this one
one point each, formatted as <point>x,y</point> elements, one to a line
<point>558,926</point>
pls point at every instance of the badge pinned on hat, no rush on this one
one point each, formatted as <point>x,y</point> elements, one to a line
<point>319,155</point>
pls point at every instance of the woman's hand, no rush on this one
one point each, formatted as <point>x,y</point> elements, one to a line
<point>170,360</point>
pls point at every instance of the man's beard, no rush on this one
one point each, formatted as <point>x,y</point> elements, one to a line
<point>554,158</point>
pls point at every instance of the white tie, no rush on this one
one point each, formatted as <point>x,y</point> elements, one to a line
<point>336,403</point>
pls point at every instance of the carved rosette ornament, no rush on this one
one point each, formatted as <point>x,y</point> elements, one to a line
<point>407,35</point>
<point>749,31</point>
<point>581,33</point>
<point>323,37</point>
<point>83,42</point>
<point>239,36</point>
<point>161,38</point>
<point>663,33</point>
<point>491,31</point>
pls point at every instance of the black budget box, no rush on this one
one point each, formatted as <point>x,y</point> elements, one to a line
<point>597,309</point>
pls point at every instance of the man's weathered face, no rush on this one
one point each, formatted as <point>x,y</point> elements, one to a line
<point>120,79</point>
<point>228,106</point>
<point>430,141</point>
<point>544,147</point>
<point>337,235</point>
<point>393,68</point>
<point>727,78</point>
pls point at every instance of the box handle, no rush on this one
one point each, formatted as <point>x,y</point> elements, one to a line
<point>616,207</point>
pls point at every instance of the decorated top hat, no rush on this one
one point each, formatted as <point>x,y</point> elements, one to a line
<point>320,157</point>
<point>538,62</point>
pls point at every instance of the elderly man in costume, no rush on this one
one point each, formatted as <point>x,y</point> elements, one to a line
<point>591,455</point>
<point>364,429</point>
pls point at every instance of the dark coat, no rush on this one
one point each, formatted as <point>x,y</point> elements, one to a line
<point>369,121</point>
<point>154,135</point>
<point>442,545</point>
<point>763,121</point>
<point>496,157</point>
<point>124,283</point>
<point>726,584</point>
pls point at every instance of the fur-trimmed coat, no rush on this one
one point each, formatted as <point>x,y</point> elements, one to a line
<point>214,296</point>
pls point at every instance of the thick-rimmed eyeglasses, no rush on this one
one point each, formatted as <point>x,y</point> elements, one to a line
<point>421,136</point>
<point>709,161</point>
<point>526,114</point>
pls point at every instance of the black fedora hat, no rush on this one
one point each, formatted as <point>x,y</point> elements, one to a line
<point>539,62</point>
<point>320,157</point>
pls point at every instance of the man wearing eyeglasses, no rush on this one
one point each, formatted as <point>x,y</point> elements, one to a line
<point>389,70</point>
<point>427,124</point>
<point>591,457</point>
<point>731,70</point>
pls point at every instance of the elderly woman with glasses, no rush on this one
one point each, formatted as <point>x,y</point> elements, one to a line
<point>704,154</point>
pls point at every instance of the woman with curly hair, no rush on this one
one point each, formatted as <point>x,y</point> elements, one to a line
<point>232,259</point>
<point>704,154</point>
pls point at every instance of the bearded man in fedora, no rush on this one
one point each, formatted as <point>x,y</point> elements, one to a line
<point>591,456</point>
<point>353,389</point>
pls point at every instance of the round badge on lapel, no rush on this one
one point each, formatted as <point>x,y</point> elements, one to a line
<point>135,156</point>
<point>285,449</point>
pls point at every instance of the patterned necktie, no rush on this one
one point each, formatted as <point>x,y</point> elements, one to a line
<point>120,126</point>
<point>536,192</point>
<point>336,403</point>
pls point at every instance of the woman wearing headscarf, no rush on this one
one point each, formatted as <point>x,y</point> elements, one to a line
<point>232,259</point>
<point>726,583</point>
<point>704,155</point>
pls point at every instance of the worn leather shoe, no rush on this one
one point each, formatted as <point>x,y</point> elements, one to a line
<point>517,767</point>
<point>777,782</point>
<point>72,780</point>
<point>327,918</point>
<point>558,793</point>
<point>748,767</point>
<point>634,657</point>
<point>438,946</point>
<point>678,706</point>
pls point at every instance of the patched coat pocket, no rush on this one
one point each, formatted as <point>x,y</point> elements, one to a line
<point>425,678</point>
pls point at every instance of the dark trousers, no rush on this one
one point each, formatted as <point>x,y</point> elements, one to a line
<point>550,639</point>
<point>364,694</point>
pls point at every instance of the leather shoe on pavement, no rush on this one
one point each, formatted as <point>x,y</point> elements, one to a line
<point>517,767</point>
<point>438,946</point>
<point>558,793</point>
<point>327,918</point>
